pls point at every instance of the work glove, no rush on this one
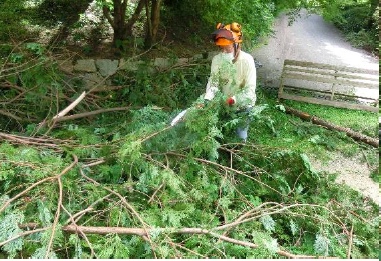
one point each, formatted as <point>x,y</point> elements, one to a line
<point>230,101</point>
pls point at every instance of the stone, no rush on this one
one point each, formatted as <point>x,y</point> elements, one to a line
<point>182,61</point>
<point>129,65</point>
<point>107,67</point>
<point>91,79</point>
<point>162,63</point>
<point>65,65</point>
<point>87,65</point>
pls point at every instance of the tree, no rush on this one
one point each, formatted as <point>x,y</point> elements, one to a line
<point>153,21</point>
<point>116,15</point>
<point>10,23</point>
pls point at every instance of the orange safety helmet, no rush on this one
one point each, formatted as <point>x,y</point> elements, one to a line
<point>227,34</point>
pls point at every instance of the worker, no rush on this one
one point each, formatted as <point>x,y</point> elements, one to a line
<point>233,73</point>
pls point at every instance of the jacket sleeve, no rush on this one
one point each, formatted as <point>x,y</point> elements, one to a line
<point>212,85</point>
<point>247,96</point>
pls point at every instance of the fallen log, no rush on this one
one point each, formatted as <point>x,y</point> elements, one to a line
<point>350,133</point>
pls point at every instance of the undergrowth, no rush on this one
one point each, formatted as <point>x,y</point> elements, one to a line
<point>129,185</point>
<point>186,185</point>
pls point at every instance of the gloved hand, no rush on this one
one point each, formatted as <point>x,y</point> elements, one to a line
<point>230,101</point>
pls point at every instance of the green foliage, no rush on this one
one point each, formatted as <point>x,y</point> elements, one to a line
<point>136,171</point>
<point>175,87</point>
<point>358,21</point>
<point>112,246</point>
<point>53,12</point>
<point>321,245</point>
<point>170,188</point>
<point>11,20</point>
<point>8,229</point>
<point>197,14</point>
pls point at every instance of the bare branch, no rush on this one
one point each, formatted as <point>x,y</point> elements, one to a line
<point>9,201</point>
<point>26,233</point>
<point>70,107</point>
<point>82,234</point>
<point>90,113</point>
<point>350,243</point>
<point>10,115</point>
<point>56,217</point>
<point>144,232</point>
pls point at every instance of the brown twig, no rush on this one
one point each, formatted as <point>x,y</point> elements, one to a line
<point>350,243</point>
<point>154,194</point>
<point>71,217</point>
<point>10,115</point>
<point>226,168</point>
<point>23,234</point>
<point>124,201</point>
<point>56,217</point>
<point>90,113</point>
<point>70,107</point>
<point>9,201</point>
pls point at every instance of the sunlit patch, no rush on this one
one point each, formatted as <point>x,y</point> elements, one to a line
<point>351,58</point>
<point>359,60</point>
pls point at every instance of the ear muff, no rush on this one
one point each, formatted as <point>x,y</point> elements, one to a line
<point>235,27</point>
<point>220,26</point>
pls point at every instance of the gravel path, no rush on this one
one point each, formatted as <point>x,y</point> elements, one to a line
<point>312,39</point>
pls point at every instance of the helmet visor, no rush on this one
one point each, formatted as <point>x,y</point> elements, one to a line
<point>224,34</point>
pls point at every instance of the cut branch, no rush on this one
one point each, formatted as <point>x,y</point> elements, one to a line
<point>350,243</point>
<point>10,115</point>
<point>70,107</point>
<point>90,113</point>
<point>41,142</point>
<point>195,231</point>
<point>350,133</point>
<point>26,233</point>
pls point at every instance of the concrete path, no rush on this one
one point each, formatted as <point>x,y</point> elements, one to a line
<point>309,38</point>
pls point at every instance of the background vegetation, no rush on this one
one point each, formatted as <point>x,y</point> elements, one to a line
<point>112,179</point>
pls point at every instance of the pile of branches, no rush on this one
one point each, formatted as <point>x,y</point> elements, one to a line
<point>33,90</point>
<point>140,188</point>
<point>156,191</point>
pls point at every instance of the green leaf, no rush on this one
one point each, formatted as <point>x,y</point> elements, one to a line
<point>44,214</point>
<point>268,223</point>
<point>321,245</point>
<point>9,227</point>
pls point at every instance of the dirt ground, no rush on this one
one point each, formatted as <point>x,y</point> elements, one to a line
<point>312,39</point>
<point>353,172</point>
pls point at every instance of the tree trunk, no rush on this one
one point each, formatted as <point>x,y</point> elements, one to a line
<point>118,20</point>
<point>135,16</point>
<point>155,18</point>
<point>153,21</point>
<point>350,133</point>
